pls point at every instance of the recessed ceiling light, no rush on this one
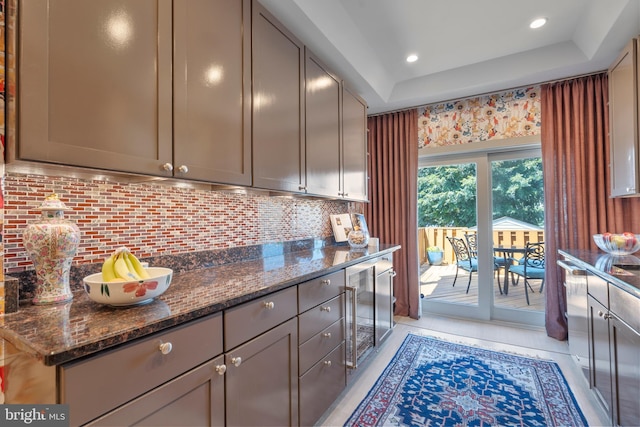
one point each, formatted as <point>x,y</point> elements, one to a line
<point>412,58</point>
<point>537,23</point>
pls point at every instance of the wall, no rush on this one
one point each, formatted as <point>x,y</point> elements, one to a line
<point>154,220</point>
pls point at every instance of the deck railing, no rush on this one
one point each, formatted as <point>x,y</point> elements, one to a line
<point>436,236</point>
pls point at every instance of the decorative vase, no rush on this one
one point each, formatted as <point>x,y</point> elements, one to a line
<point>51,243</point>
<point>358,239</point>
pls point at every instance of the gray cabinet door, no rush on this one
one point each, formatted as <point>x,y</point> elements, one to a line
<point>355,176</point>
<point>599,357</point>
<point>383,313</point>
<point>322,111</point>
<point>278,105</point>
<point>212,90</point>
<point>262,379</point>
<point>625,359</point>
<point>193,399</point>
<point>95,91</point>
<point>623,111</point>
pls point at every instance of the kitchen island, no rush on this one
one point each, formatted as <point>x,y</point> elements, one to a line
<point>607,311</point>
<point>204,310</point>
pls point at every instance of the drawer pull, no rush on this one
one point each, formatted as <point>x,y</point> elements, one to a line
<point>327,335</point>
<point>327,363</point>
<point>326,281</point>
<point>268,305</point>
<point>165,347</point>
<point>327,309</point>
<point>236,361</point>
<point>221,369</point>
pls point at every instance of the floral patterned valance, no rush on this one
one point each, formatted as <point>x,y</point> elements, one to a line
<point>509,114</point>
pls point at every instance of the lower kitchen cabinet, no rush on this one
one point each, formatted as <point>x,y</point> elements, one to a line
<point>193,399</point>
<point>322,365</point>
<point>614,339</point>
<point>262,379</point>
<point>383,313</point>
<point>599,356</point>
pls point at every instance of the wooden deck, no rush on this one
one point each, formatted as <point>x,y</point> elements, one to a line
<point>436,284</point>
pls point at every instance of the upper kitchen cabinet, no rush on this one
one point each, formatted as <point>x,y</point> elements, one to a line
<point>623,110</point>
<point>212,90</point>
<point>94,84</point>
<point>278,105</point>
<point>323,128</point>
<point>155,87</point>
<point>354,172</point>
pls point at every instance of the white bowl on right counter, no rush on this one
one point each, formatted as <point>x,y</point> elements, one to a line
<point>618,244</point>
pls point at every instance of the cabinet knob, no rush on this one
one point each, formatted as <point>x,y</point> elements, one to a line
<point>393,273</point>
<point>236,361</point>
<point>326,281</point>
<point>167,167</point>
<point>302,187</point>
<point>327,335</point>
<point>327,309</point>
<point>183,169</point>
<point>165,347</point>
<point>268,305</point>
<point>327,363</point>
<point>221,369</point>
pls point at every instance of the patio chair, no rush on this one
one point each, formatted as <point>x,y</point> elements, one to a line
<point>499,262</point>
<point>531,267</point>
<point>464,260</point>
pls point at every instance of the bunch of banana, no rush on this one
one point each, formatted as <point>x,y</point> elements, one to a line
<point>123,266</point>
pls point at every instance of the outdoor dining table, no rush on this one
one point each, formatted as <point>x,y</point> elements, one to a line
<point>508,254</point>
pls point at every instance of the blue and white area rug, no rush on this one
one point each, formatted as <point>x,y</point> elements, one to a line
<point>430,382</point>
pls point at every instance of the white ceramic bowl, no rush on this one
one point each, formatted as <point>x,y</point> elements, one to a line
<point>618,244</point>
<point>128,293</point>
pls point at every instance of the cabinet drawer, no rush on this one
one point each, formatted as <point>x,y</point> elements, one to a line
<point>96,385</point>
<point>249,320</point>
<point>597,288</point>
<point>319,290</point>
<point>321,344</point>
<point>625,306</point>
<point>319,317</point>
<point>320,387</point>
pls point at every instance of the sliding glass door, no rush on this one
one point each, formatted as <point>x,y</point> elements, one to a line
<point>487,205</point>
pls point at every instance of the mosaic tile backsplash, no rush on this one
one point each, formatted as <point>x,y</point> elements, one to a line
<point>154,220</point>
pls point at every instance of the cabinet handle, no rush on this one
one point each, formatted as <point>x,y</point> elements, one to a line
<point>236,361</point>
<point>302,187</point>
<point>393,273</point>
<point>167,167</point>
<point>165,347</point>
<point>326,281</point>
<point>327,362</point>
<point>183,169</point>
<point>327,335</point>
<point>605,316</point>
<point>221,369</point>
<point>327,309</point>
<point>268,305</point>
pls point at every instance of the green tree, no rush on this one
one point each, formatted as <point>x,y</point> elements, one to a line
<point>447,194</point>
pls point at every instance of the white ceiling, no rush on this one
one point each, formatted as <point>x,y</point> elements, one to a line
<point>465,47</point>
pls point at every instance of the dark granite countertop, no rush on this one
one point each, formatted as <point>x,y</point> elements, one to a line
<point>622,271</point>
<point>63,332</point>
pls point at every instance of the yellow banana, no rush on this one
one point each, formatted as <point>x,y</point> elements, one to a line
<point>142,272</point>
<point>127,260</point>
<point>107,269</point>
<point>121,269</point>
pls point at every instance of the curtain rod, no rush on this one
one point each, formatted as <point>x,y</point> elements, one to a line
<point>490,93</point>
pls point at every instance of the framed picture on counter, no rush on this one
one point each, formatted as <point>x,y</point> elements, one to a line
<point>341,225</point>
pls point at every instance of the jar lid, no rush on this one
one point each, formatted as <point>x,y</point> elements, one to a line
<point>52,203</point>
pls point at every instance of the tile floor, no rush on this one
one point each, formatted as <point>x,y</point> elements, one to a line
<point>497,336</point>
